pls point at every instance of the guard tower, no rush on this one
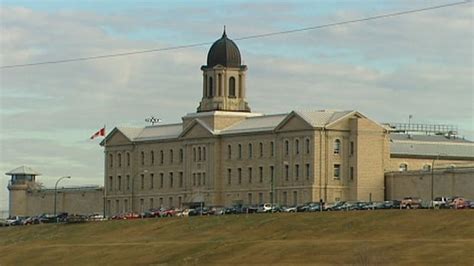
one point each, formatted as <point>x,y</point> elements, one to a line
<point>22,179</point>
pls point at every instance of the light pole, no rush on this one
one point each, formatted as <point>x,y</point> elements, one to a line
<point>56,192</point>
<point>432,179</point>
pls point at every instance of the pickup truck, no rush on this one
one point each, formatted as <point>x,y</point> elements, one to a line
<point>440,203</point>
<point>410,203</point>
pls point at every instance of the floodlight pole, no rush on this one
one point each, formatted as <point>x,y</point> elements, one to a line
<point>56,193</point>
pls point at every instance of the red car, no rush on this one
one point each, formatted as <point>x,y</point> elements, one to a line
<point>459,203</point>
<point>167,212</point>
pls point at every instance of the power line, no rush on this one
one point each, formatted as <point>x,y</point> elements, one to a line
<point>238,39</point>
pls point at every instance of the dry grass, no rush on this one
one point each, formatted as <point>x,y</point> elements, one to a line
<point>444,237</point>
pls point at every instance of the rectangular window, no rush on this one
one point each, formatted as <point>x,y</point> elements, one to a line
<point>337,171</point>
<point>272,148</point>
<point>285,198</point>
<point>260,173</point>
<point>170,200</point>
<point>162,177</point>
<point>240,151</point>
<point>194,179</point>
<point>128,182</point>
<point>199,178</point>
<point>152,155</point>
<point>181,155</point>
<point>287,172</point>
<point>162,157</point>
<point>239,172</point>
<point>142,184</point>
<point>180,200</point>
<point>161,202</point>
<point>117,206</point>
<point>111,183</point>
<point>352,148</point>
<point>352,173</point>
<point>119,183</point>
<point>151,203</point>
<point>260,198</point>
<point>272,173</point>
<point>295,198</point>
<point>308,171</point>
<point>250,175</point>
<point>249,198</point>
<point>297,171</point>
<point>250,151</point>
<point>180,179</point>
<point>152,181</point>
<point>142,205</point>
<point>125,205</point>
<point>229,152</point>
<point>261,150</point>
<point>203,178</point>
<point>229,176</point>
<point>171,156</point>
<point>171,179</point>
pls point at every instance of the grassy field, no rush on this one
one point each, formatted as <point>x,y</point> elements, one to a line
<point>415,237</point>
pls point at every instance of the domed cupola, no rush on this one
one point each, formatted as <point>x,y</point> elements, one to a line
<point>224,52</point>
<point>223,78</point>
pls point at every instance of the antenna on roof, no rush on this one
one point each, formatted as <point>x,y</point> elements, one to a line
<point>153,120</point>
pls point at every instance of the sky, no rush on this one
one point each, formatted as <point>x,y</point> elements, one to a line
<point>418,64</point>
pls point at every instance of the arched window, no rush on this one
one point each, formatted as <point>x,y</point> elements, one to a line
<point>211,87</point>
<point>261,149</point>
<point>337,146</point>
<point>119,159</point>
<point>232,87</point>
<point>250,150</point>
<point>287,147</point>
<point>240,151</point>
<point>143,158</point>
<point>152,155</point>
<point>229,152</point>
<point>128,159</point>
<point>194,154</point>
<point>162,157</point>
<point>203,153</point>
<point>403,167</point>
<point>307,146</point>
<point>181,155</point>
<point>171,156</point>
<point>111,160</point>
<point>219,85</point>
<point>199,154</point>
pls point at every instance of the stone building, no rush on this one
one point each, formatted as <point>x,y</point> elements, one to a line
<point>28,197</point>
<point>225,154</point>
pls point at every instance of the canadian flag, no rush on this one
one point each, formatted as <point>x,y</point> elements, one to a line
<point>100,133</point>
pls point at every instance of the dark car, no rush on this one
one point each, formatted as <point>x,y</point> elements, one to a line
<point>336,206</point>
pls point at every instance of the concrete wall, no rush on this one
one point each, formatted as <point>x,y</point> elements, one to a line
<point>447,182</point>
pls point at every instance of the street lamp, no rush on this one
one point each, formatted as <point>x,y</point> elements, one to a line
<point>432,178</point>
<point>56,192</point>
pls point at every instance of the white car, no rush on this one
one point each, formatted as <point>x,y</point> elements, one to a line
<point>266,207</point>
<point>440,202</point>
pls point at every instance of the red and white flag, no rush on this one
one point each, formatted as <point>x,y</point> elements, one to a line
<point>100,133</point>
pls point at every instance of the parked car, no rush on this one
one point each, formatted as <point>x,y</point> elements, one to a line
<point>440,203</point>
<point>411,203</point>
<point>459,203</point>
<point>96,217</point>
<point>31,220</point>
<point>16,220</point>
<point>471,204</point>
<point>131,215</point>
<point>334,206</point>
<point>3,222</point>
<point>289,209</point>
<point>266,207</point>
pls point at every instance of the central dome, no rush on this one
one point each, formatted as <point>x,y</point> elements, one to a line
<point>223,52</point>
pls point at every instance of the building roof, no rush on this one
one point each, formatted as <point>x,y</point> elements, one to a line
<point>224,52</point>
<point>423,145</point>
<point>322,118</point>
<point>160,132</point>
<point>23,170</point>
<point>255,124</point>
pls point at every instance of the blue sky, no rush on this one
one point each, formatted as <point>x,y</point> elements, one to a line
<point>419,64</point>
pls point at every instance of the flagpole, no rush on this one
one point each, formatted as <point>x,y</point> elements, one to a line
<point>105,169</point>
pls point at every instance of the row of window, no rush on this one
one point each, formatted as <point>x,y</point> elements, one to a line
<point>426,167</point>
<point>250,151</point>
<point>117,184</point>
<point>143,155</point>
<point>199,154</point>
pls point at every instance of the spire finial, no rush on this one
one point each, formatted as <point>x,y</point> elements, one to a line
<point>224,34</point>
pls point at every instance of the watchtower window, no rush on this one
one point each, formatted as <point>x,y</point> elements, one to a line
<point>211,87</point>
<point>232,87</point>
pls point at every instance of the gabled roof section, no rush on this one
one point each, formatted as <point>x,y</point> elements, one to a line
<point>317,119</point>
<point>129,132</point>
<point>158,132</point>
<point>23,170</point>
<point>255,124</point>
<point>195,122</point>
